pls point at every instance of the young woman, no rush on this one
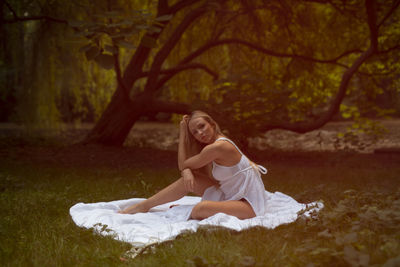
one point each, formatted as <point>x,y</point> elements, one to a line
<point>213,167</point>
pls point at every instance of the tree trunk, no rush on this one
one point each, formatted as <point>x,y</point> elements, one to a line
<point>116,121</point>
<point>121,113</point>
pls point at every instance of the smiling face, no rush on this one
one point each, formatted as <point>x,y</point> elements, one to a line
<point>202,130</point>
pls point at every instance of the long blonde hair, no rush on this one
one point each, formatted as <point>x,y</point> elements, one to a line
<point>194,147</point>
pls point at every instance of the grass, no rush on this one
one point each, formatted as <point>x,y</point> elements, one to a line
<point>358,227</point>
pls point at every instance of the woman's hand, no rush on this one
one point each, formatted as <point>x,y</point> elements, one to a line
<point>136,208</point>
<point>184,122</point>
<point>188,180</point>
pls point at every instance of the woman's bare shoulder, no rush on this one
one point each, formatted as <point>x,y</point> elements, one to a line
<point>224,146</point>
<point>216,146</point>
<point>227,153</point>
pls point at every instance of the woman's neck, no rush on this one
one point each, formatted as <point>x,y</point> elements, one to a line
<point>218,136</point>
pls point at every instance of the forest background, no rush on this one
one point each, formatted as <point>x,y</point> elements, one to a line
<point>254,65</point>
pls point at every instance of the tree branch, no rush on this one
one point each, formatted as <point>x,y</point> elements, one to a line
<point>303,127</point>
<point>183,65</point>
<point>11,9</point>
<point>390,12</point>
<point>180,5</point>
<point>179,68</point>
<point>370,6</point>
<point>390,49</point>
<point>168,46</point>
<point>263,50</point>
<point>162,6</point>
<point>134,68</point>
<point>19,19</point>
<point>118,72</point>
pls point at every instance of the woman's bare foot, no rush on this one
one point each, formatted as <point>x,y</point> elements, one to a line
<point>136,208</point>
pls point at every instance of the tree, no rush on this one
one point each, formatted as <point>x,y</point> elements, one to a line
<point>44,78</point>
<point>195,35</point>
<point>298,96</point>
<point>123,111</point>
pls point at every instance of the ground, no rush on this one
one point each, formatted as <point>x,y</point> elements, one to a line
<point>164,136</point>
<point>61,146</point>
<point>154,144</point>
<point>45,172</point>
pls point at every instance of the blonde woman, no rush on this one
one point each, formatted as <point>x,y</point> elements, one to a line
<point>213,167</point>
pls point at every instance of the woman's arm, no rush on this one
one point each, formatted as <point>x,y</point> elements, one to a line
<point>207,155</point>
<point>187,175</point>
<point>188,179</point>
<point>181,146</point>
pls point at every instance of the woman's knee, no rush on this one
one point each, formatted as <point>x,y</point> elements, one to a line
<point>201,210</point>
<point>182,185</point>
<point>200,185</point>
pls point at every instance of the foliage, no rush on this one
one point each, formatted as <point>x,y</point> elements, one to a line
<point>260,89</point>
<point>109,31</point>
<point>48,75</point>
<point>287,73</point>
<point>361,134</point>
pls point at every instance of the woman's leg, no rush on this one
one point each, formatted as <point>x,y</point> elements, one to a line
<point>173,192</point>
<point>239,208</point>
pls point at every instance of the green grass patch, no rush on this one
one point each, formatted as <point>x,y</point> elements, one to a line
<point>358,227</point>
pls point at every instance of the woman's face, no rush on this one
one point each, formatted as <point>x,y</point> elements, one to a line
<point>202,130</point>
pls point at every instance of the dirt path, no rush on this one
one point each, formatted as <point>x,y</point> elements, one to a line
<point>153,145</point>
<point>165,136</point>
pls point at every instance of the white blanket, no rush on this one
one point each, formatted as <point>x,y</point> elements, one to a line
<point>163,223</point>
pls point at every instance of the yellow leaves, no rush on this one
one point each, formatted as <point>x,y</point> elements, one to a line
<point>340,135</point>
<point>246,115</point>
<point>348,112</point>
<point>380,66</point>
<point>226,84</point>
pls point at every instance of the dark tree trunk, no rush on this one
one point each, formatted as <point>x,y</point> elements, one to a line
<point>116,121</point>
<point>122,113</point>
<point>124,110</point>
<point>12,60</point>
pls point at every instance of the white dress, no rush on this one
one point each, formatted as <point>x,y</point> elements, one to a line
<point>240,181</point>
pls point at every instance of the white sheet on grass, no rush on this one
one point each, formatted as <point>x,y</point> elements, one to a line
<point>163,223</point>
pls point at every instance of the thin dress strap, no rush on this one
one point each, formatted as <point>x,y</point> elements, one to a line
<point>230,141</point>
<point>260,168</point>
